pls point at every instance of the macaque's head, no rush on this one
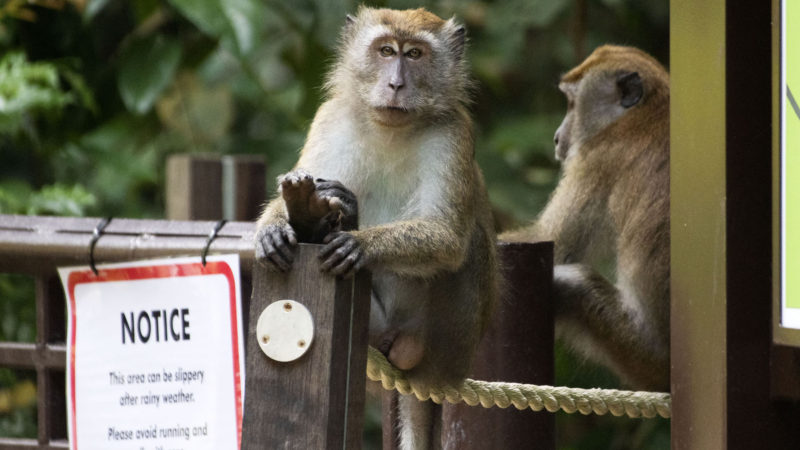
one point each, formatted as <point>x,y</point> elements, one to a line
<point>612,82</point>
<point>402,66</point>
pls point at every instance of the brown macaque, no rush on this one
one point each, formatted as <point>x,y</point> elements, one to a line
<point>612,204</point>
<point>395,134</point>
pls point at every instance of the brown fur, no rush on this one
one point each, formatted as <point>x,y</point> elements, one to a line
<point>612,203</point>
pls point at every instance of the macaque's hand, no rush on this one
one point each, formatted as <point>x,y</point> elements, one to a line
<point>340,200</point>
<point>275,246</point>
<point>342,254</point>
<point>317,207</point>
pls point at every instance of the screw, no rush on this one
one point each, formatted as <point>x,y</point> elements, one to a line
<point>301,343</point>
<point>287,306</point>
<point>265,339</point>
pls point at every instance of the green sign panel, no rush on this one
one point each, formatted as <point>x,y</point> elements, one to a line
<point>790,98</point>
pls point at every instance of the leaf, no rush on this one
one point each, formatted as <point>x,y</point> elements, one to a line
<point>147,67</point>
<point>61,200</point>
<point>79,86</point>
<point>28,88</point>
<point>244,17</point>
<point>207,15</point>
<point>92,8</point>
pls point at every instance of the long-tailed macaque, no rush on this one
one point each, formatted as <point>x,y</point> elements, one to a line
<point>612,203</point>
<point>395,132</point>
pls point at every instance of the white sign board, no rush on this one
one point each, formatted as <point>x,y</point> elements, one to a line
<point>155,358</point>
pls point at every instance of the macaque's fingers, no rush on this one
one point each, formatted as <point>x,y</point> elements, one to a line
<point>328,240</point>
<point>339,198</point>
<point>274,246</point>
<point>294,177</point>
<point>336,189</point>
<point>349,265</point>
<point>334,202</point>
<point>296,186</point>
<point>338,249</point>
<point>268,256</point>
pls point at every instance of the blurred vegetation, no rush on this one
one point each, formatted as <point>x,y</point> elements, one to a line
<point>95,94</point>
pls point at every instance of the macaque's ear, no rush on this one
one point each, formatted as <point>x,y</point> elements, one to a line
<point>456,37</point>
<point>349,20</point>
<point>459,38</point>
<point>630,88</point>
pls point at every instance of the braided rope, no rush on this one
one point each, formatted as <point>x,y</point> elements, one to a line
<point>522,396</point>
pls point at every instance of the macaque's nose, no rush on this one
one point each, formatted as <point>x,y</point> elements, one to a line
<point>396,84</point>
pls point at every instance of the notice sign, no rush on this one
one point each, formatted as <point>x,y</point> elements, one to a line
<point>790,164</point>
<point>154,358</point>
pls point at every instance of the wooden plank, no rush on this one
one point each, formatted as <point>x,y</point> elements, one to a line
<point>119,226</point>
<point>24,355</point>
<point>28,444</point>
<point>513,351</point>
<point>30,244</point>
<point>317,401</point>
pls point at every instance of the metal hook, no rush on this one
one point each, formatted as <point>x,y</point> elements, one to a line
<point>211,237</point>
<point>98,231</point>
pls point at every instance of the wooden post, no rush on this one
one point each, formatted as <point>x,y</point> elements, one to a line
<point>518,347</point>
<point>244,191</point>
<point>212,187</point>
<point>317,401</point>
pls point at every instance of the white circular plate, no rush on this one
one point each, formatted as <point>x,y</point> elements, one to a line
<point>285,330</point>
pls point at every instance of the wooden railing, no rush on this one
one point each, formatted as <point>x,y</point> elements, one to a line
<point>36,246</point>
<point>327,385</point>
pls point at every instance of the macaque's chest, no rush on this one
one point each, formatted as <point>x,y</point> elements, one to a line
<point>387,200</point>
<point>386,180</point>
<point>386,188</point>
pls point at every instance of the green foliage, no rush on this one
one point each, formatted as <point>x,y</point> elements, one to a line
<point>93,100</point>
<point>17,324</point>
<point>17,311</point>
<point>27,88</point>
<point>58,200</point>
<point>141,82</point>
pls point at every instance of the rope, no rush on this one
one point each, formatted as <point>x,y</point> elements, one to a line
<point>522,396</point>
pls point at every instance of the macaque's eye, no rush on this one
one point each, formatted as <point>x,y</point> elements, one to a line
<point>414,53</point>
<point>387,51</point>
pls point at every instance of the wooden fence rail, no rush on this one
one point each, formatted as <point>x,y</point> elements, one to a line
<point>36,246</point>
<point>315,402</point>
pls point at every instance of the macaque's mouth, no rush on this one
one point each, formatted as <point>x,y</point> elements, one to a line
<point>393,116</point>
<point>399,109</point>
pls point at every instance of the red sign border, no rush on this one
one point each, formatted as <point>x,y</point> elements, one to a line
<point>154,272</point>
